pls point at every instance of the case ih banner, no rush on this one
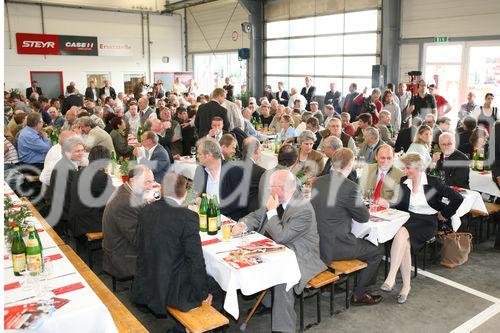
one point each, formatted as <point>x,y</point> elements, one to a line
<point>56,44</point>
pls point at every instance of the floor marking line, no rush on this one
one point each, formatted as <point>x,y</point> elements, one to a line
<point>478,319</point>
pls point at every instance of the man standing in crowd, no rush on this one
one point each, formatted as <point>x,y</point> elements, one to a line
<point>33,144</point>
<point>381,177</point>
<point>33,88</point>
<point>468,108</point>
<point>442,105</point>
<point>120,222</point>
<point>453,162</point>
<point>289,220</point>
<point>107,90</point>
<point>282,95</point>
<point>333,97</point>
<point>71,100</point>
<point>423,103</point>
<point>92,92</point>
<point>309,92</point>
<point>349,105</point>
<point>209,110</point>
<point>337,203</point>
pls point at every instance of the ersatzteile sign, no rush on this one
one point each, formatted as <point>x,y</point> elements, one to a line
<point>56,44</point>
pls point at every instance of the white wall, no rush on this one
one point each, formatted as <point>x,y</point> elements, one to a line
<point>165,32</point>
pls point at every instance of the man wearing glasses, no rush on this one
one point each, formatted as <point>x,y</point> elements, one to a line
<point>423,103</point>
<point>452,162</point>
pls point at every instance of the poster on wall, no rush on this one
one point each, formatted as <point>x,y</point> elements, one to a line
<point>112,47</point>
<point>56,44</point>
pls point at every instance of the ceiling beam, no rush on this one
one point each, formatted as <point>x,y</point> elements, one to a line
<point>171,7</point>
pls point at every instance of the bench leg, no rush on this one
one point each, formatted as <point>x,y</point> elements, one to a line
<point>415,265</point>
<point>318,305</point>
<point>332,294</point>
<point>301,311</point>
<point>425,257</point>
<point>347,302</point>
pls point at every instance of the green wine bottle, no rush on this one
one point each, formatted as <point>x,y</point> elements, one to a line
<point>18,252</point>
<point>212,217</point>
<point>202,213</point>
<point>34,253</point>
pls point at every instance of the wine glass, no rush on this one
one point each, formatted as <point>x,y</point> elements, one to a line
<point>193,152</point>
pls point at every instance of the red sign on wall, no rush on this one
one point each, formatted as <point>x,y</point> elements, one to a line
<point>37,44</point>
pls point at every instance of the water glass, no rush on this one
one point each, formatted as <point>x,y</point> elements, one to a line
<point>193,152</point>
<point>226,232</point>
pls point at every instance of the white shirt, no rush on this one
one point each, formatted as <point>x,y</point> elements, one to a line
<point>143,153</point>
<point>274,212</point>
<point>418,202</point>
<point>301,128</point>
<point>53,156</point>
<point>133,122</point>
<point>213,183</point>
<point>106,91</point>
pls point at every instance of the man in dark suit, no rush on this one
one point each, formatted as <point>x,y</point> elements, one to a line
<point>251,154</point>
<point>107,90</point>
<point>330,145</point>
<point>120,222</point>
<point>407,135</point>
<point>170,265</point>
<point>349,106</point>
<point>71,100</point>
<point>34,88</point>
<point>154,155</point>
<point>92,92</point>
<point>145,111</point>
<point>61,180</point>
<point>337,201</point>
<point>333,97</point>
<point>453,162</point>
<point>289,220</point>
<point>309,92</point>
<point>214,176</point>
<point>282,95</point>
<point>209,110</point>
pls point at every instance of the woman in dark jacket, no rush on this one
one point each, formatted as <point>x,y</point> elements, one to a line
<point>87,204</point>
<point>120,143</point>
<point>422,196</point>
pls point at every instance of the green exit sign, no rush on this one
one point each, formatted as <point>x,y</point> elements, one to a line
<point>440,39</point>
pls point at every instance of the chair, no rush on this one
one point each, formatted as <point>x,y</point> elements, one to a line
<point>201,319</point>
<point>315,284</point>
<point>492,209</point>
<point>432,242</point>
<point>346,268</point>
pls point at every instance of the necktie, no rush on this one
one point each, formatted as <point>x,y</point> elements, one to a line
<point>280,211</point>
<point>146,153</point>
<point>378,189</point>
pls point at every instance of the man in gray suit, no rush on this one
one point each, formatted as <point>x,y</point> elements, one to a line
<point>337,201</point>
<point>119,223</point>
<point>289,220</point>
<point>145,112</point>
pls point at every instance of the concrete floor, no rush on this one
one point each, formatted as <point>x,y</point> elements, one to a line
<point>433,305</point>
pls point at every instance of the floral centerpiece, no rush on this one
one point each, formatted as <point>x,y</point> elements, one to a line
<point>14,217</point>
<point>304,175</point>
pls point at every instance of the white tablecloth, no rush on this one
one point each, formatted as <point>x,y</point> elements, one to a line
<point>277,268</point>
<point>84,313</point>
<point>472,200</point>
<point>483,182</point>
<point>378,231</point>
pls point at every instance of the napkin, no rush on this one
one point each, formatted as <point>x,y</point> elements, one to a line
<point>210,241</point>
<point>11,286</point>
<point>68,288</point>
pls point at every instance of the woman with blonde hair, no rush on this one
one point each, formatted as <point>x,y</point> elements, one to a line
<point>422,144</point>
<point>422,196</point>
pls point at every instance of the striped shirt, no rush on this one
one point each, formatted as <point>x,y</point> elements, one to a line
<point>11,153</point>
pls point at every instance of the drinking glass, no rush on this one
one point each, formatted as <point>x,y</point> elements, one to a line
<point>193,152</point>
<point>226,232</point>
<point>46,274</point>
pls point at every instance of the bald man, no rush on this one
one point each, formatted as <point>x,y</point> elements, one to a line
<point>54,155</point>
<point>289,220</point>
<point>453,162</point>
<point>382,175</point>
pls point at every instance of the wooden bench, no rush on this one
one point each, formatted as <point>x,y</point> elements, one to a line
<point>346,268</point>
<point>316,283</point>
<point>94,243</point>
<point>123,318</point>
<point>201,319</point>
<point>479,217</point>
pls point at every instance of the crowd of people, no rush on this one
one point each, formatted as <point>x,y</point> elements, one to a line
<point>322,149</point>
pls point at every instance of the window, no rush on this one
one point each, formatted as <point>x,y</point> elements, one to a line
<point>98,78</point>
<point>337,48</point>
<point>210,71</point>
<point>484,72</point>
<point>130,80</point>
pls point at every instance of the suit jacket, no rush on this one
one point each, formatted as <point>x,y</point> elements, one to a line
<point>99,137</point>
<point>353,176</point>
<point>350,107</point>
<point>338,201</point>
<point>296,230</point>
<point>119,227</point>
<point>112,92</point>
<point>83,218</point>
<point>170,265</point>
<point>69,101</point>
<point>319,137</point>
<point>389,186</point>
<point>333,98</point>
<point>405,139</point>
<point>58,192</point>
<point>231,177</point>
<point>435,191</point>
<point>284,95</point>
<point>455,175</point>
<point>385,134</point>
<point>463,141</point>
<point>121,145</point>
<point>206,112</point>
<point>159,162</point>
<point>145,115</point>
<point>309,95</point>
<point>369,154</point>
<point>29,91</point>
<point>89,93</point>
<point>253,191</point>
